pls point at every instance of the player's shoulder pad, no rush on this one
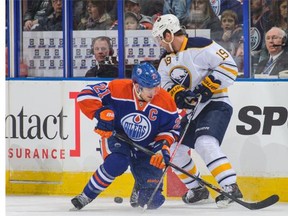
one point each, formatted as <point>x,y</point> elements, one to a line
<point>198,42</point>
<point>164,100</point>
<point>119,88</point>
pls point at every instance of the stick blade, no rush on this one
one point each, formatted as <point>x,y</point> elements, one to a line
<point>262,204</point>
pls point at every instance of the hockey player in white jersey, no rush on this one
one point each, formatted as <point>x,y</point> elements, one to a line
<point>192,67</point>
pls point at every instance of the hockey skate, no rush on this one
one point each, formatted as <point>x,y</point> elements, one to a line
<point>80,201</point>
<point>134,197</point>
<point>196,195</point>
<point>223,201</point>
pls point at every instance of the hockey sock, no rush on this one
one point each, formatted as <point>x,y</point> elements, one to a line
<point>183,159</point>
<point>216,161</point>
<point>113,166</point>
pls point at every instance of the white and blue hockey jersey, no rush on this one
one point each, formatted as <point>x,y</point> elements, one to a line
<point>198,58</point>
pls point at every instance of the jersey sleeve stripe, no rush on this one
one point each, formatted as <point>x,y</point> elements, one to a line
<point>234,72</point>
<point>165,136</point>
<point>223,73</point>
<point>87,97</point>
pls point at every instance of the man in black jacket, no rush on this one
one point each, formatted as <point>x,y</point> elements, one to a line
<point>37,10</point>
<point>53,22</point>
<point>103,51</point>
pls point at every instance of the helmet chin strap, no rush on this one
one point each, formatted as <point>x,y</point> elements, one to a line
<point>170,43</point>
<point>138,93</point>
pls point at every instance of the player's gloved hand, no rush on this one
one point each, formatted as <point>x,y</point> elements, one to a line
<point>207,88</point>
<point>105,125</point>
<point>162,154</point>
<point>184,99</point>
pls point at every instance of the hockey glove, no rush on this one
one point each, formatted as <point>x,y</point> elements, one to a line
<point>184,99</point>
<point>207,88</point>
<point>105,124</point>
<point>162,154</point>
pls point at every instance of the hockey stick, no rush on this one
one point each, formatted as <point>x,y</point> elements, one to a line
<point>189,117</point>
<point>252,206</point>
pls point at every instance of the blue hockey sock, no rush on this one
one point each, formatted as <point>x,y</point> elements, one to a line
<point>113,166</point>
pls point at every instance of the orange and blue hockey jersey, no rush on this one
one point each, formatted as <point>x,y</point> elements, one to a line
<point>143,122</point>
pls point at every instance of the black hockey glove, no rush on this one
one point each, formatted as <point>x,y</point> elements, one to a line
<point>184,99</point>
<point>207,88</point>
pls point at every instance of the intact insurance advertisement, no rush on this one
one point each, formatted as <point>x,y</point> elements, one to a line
<point>45,130</point>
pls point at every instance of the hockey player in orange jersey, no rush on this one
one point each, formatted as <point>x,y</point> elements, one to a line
<point>144,112</point>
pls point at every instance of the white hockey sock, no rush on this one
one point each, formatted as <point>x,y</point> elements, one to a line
<point>216,161</point>
<point>183,159</point>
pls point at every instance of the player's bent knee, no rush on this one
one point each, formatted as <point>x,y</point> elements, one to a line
<point>116,164</point>
<point>144,196</point>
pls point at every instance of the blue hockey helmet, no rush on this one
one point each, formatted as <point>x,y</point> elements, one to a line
<point>146,75</point>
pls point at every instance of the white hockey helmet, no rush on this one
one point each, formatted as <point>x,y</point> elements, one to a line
<point>165,22</point>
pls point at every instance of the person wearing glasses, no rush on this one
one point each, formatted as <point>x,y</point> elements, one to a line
<point>275,42</point>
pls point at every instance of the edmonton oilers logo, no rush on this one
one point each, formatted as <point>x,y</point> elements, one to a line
<point>136,126</point>
<point>255,38</point>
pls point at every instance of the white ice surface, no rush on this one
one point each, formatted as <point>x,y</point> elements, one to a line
<point>59,206</point>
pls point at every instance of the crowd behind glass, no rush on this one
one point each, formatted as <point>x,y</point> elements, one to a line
<point>224,19</point>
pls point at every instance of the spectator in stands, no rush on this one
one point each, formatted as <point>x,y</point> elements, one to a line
<point>131,22</point>
<point>134,6</point>
<point>232,31</point>
<point>279,14</point>
<point>37,10</point>
<point>98,18</point>
<point>239,57</point>
<point>180,8</point>
<point>219,6</point>
<point>202,16</point>
<point>275,40</point>
<point>103,51</point>
<point>277,17</point>
<point>53,22</point>
<point>111,6</point>
<point>152,8</point>
<point>259,25</point>
<point>79,12</point>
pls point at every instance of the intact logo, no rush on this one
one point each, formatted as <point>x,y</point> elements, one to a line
<point>181,75</point>
<point>136,126</point>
